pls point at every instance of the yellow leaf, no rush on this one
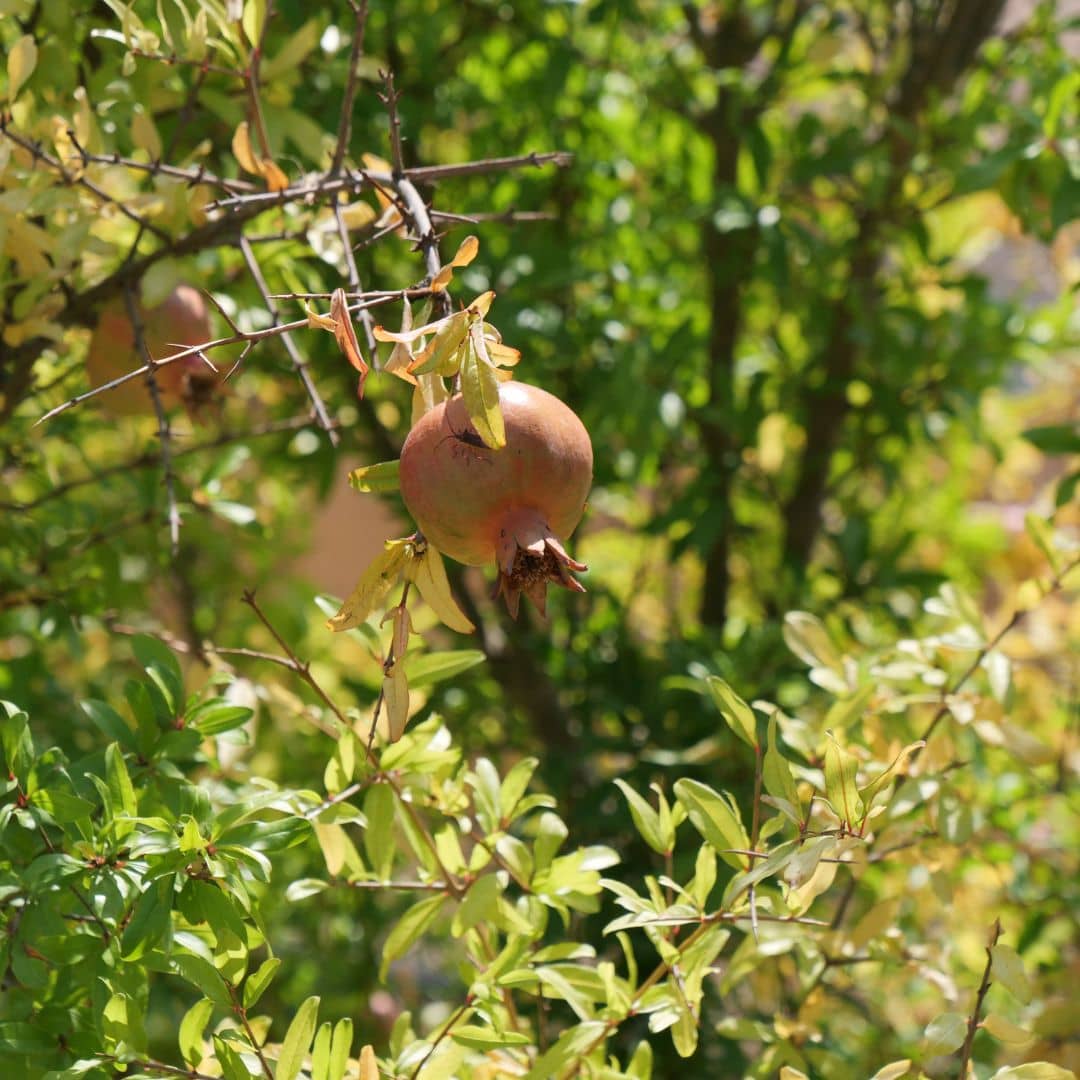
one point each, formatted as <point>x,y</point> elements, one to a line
<point>429,576</point>
<point>20,64</point>
<point>466,252</point>
<point>319,322</point>
<point>358,214</point>
<point>442,279</point>
<point>1005,1030</point>
<point>369,1069</point>
<point>442,356</point>
<point>430,391</point>
<point>396,700</point>
<point>502,354</point>
<point>253,19</point>
<point>374,163</point>
<point>480,389</point>
<point>276,180</point>
<point>482,304</point>
<point>243,151</point>
<point>376,582</point>
<point>376,478</point>
<point>145,135</point>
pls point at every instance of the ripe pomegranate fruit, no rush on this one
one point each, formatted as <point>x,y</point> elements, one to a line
<point>514,505</point>
<point>181,319</point>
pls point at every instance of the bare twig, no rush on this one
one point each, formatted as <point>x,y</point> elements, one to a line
<point>360,178</point>
<point>360,10</point>
<point>164,429</point>
<point>980,996</point>
<point>251,81</point>
<point>389,97</point>
<point>299,363</point>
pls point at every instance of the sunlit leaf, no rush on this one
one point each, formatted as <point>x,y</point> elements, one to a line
<point>21,61</point>
<point>429,575</point>
<point>375,583</point>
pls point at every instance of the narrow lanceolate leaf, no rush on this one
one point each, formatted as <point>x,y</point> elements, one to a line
<point>21,62</point>
<point>294,1046</point>
<point>259,980</point>
<point>443,355</point>
<point>716,818</point>
<point>840,789</point>
<point>739,715</point>
<point>243,150</point>
<point>396,702</point>
<point>376,582</point>
<point>407,929</point>
<point>377,479</point>
<point>466,252</point>
<point>805,635</point>
<point>345,336</point>
<point>121,791</point>
<point>369,1068</point>
<point>340,1045</point>
<point>777,775</point>
<point>646,819</point>
<point>868,792</point>
<point>429,576</point>
<point>480,389</point>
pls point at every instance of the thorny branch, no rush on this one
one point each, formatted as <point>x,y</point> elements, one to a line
<point>298,362</point>
<point>164,430</point>
<point>360,10</point>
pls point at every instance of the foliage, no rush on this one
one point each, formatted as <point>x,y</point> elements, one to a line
<point>672,821</point>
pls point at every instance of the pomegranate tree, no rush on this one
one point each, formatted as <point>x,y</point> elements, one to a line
<point>515,505</point>
<point>182,319</point>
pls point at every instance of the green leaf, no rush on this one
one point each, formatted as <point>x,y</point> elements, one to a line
<point>840,789</point>
<point>340,1047</point>
<point>111,724</point>
<point>776,772</point>
<point>480,390</point>
<point>1009,970</point>
<point>21,61</point>
<point>191,1031</point>
<point>122,801</point>
<point>482,1038</point>
<point>1055,438</point>
<point>480,904</point>
<point>221,718</point>
<point>302,888</point>
<point>408,928</point>
<point>944,1034</point>
<point>514,785</point>
<point>257,982</point>
<point>433,667</point>
<point>378,479</point>
<point>15,738</point>
<point>294,1046</point>
<point>62,806</point>
<point>552,832</point>
<point>150,919</point>
<point>160,664</point>
<point>379,834</point>
<point>320,1052</point>
<point>716,817</point>
<point>739,716</point>
<point>201,973</point>
<point>868,792</point>
<point>253,19</point>
<point>893,1071</point>
<point>122,1023</point>
<point>646,820</point>
<point>569,1047</point>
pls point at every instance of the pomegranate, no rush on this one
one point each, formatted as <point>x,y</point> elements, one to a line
<point>513,506</point>
<point>181,319</point>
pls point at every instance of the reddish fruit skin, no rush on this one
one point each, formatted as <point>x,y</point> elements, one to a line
<point>467,498</point>
<point>183,318</point>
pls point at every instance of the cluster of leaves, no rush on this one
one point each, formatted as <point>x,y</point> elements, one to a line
<point>120,870</point>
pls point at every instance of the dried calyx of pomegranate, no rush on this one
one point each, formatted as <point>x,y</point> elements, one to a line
<point>513,506</point>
